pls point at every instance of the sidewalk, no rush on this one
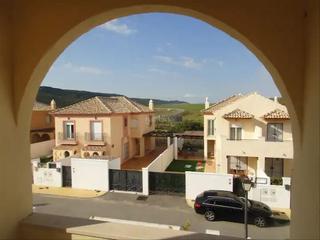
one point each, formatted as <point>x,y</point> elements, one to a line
<point>66,192</point>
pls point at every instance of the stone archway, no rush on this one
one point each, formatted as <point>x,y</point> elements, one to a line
<point>283,42</point>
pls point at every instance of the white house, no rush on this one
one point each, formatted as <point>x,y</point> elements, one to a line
<point>249,134</point>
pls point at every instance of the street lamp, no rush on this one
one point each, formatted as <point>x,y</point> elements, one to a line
<point>246,184</point>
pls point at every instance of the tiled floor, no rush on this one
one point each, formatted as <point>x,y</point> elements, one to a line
<point>137,163</point>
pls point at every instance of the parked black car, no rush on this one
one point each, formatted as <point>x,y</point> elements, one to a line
<point>228,206</point>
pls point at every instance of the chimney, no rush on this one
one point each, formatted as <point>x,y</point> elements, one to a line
<point>275,99</point>
<point>206,103</point>
<point>53,104</point>
<point>151,105</point>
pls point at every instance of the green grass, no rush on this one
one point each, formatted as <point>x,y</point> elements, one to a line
<point>192,111</point>
<point>181,166</point>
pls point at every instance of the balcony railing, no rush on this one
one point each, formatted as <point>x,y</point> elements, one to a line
<point>64,139</point>
<point>95,139</point>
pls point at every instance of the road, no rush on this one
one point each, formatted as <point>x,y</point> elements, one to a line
<point>160,209</point>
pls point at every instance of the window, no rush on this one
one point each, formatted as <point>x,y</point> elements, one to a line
<point>235,132</point>
<point>237,163</point>
<point>232,203</point>
<point>210,127</point>
<point>275,132</point>
<point>219,202</point>
<point>69,130</point>
<point>274,167</point>
<point>210,201</point>
<point>150,121</point>
<point>125,122</point>
<point>96,130</point>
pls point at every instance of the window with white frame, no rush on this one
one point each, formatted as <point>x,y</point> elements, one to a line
<point>238,163</point>
<point>235,132</point>
<point>275,132</point>
<point>96,130</point>
<point>210,127</point>
<point>68,129</point>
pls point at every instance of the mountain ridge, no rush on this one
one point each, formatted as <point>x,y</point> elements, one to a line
<point>65,97</point>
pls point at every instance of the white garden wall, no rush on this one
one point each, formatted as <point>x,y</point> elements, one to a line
<point>90,174</point>
<point>275,196</point>
<point>45,176</point>
<point>197,182</point>
<point>115,163</point>
<point>41,149</point>
<point>162,161</point>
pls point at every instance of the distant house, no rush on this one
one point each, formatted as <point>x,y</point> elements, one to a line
<point>249,134</point>
<point>42,124</point>
<point>104,126</point>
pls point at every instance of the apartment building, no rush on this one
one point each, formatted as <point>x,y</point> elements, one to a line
<point>104,126</point>
<point>249,134</point>
<point>42,123</point>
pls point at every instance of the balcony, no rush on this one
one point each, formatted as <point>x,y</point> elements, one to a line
<point>258,147</point>
<point>64,139</point>
<point>96,140</point>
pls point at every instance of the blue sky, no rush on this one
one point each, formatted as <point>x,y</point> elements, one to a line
<point>163,56</point>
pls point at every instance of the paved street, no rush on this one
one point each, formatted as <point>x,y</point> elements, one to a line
<point>161,209</point>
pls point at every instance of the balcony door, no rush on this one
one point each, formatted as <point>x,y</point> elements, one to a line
<point>235,132</point>
<point>96,131</point>
<point>274,167</point>
<point>237,165</point>
<point>68,129</point>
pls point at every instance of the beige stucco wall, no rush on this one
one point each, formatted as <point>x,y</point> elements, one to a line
<point>284,35</point>
<point>254,133</point>
<point>114,131</point>
<point>39,120</point>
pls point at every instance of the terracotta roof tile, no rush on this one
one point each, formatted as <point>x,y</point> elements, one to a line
<point>223,103</point>
<point>277,114</point>
<point>39,106</point>
<point>103,105</point>
<point>238,114</point>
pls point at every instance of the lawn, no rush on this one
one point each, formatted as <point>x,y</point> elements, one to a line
<point>185,165</point>
<point>190,111</point>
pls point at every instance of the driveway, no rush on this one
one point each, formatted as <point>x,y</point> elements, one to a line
<point>160,209</point>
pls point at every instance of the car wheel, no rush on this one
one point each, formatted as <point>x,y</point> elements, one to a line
<point>260,221</point>
<point>210,215</point>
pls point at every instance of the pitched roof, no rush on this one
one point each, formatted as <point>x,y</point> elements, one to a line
<point>223,103</point>
<point>277,114</point>
<point>238,114</point>
<point>103,105</point>
<point>39,106</point>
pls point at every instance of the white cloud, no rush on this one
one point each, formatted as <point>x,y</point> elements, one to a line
<point>157,70</point>
<point>117,27</point>
<point>189,95</point>
<point>85,69</point>
<point>187,62</point>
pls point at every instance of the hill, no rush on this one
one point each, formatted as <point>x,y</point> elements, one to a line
<point>65,97</point>
<point>187,111</point>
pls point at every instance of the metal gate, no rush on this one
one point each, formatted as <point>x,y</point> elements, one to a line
<point>167,182</point>
<point>125,180</point>
<point>66,176</point>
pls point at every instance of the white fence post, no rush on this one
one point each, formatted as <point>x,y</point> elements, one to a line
<point>145,181</point>
<point>168,141</point>
<point>175,147</point>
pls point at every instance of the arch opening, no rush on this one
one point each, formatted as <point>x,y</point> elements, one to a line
<point>64,42</point>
